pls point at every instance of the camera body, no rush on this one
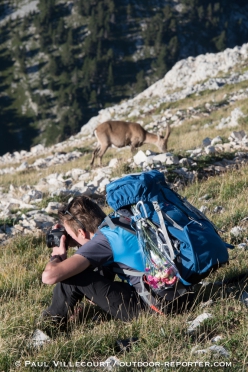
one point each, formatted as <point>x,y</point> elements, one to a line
<point>53,237</point>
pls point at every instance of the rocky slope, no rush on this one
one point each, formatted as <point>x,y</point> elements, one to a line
<point>61,61</point>
<point>32,209</point>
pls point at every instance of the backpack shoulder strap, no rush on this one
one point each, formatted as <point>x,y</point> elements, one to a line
<point>120,221</point>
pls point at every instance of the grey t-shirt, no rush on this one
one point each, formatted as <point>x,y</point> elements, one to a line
<point>99,252</point>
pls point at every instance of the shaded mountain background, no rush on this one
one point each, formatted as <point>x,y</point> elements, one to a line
<point>61,62</point>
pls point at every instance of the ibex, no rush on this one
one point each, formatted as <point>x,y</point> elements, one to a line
<point>121,134</point>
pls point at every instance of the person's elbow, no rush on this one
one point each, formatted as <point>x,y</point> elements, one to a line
<point>48,278</point>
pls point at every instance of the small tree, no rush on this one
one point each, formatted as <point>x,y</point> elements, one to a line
<point>110,80</point>
<point>140,81</point>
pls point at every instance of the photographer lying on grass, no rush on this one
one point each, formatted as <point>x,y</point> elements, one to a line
<point>84,275</point>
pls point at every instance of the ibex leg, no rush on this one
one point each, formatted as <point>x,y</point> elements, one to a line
<point>95,154</point>
<point>101,153</point>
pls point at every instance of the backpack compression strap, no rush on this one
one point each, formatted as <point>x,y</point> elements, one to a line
<point>163,227</point>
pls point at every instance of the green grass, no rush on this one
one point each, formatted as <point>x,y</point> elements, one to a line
<point>23,297</point>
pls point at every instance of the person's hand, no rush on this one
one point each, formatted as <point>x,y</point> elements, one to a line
<point>57,226</point>
<point>61,250</point>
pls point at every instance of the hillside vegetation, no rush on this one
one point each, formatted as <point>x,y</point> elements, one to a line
<point>60,62</point>
<point>207,163</point>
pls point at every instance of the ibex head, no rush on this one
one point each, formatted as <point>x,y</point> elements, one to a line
<point>163,139</point>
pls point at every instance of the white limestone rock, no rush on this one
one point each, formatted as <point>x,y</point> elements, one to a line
<point>134,112</point>
<point>113,163</point>
<point>190,176</point>
<point>140,157</point>
<point>216,350</point>
<point>78,186</point>
<point>195,152</point>
<point>166,158</point>
<point>210,150</point>
<point>185,162</point>
<point>111,363</point>
<point>40,164</point>
<point>24,166</point>
<point>242,246</point>
<point>203,209</point>
<point>237,136</point>
<point>76,173</point>
<point>37,149</point>
<point>197,321</point>
<point>232,120</point>
<point>103,184</point>
<point>39,338</point>
<point>216,339</point>
<point>43,221</point>
<point>84,177</point>
<point>237,231</point>
<point>32,195</point>
<point>216,140</point>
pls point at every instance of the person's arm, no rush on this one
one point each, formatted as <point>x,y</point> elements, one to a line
<point>61,268</point>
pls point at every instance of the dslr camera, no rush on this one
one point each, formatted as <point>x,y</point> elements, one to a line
<point>53,237</point>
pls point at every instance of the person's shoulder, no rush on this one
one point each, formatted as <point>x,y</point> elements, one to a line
<point>98,242</point>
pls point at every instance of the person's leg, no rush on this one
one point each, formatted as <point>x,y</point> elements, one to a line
<point>116,298</point>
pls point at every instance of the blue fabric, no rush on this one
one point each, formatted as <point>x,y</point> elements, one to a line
<point>125,247</point>
<point>201,248</point>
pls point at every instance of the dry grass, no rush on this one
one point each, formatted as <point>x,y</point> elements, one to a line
<point>160,339</point>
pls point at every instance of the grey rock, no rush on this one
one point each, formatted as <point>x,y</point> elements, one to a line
<point>215,349</point>
<point>237,136</point>
<point>39,338</point>
<point>197,151</point>
<point>40,163</point>
<point>203,209</point>
<point>185,173</point>
<point>237,231</point>
<point>24,166</point>
<point>185,162</point>
<point>196,323</point>
<point>84,176</point>
<point>53,207</point>
<point>10,230</point>
<point>76,173</point>
<point>111,363</point>
<point>32,195</point>
<point>78,185</point>
<point>216,339</point>
<point>206,142</point>
<point>210,150</point>
<point>242,246</point>
<point>65,192</point>
<point>166,158</point>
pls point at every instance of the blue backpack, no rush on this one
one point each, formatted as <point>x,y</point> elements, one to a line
<point>190,242</point>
